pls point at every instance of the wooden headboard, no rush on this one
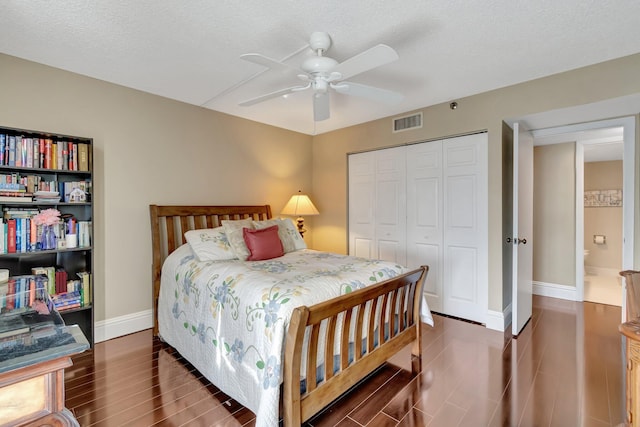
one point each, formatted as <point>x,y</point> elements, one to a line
<point>169,223</point>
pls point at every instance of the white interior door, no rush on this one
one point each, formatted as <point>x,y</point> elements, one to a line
<point>522,236</point>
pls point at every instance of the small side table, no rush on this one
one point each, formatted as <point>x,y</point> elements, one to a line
<point>33,357</point>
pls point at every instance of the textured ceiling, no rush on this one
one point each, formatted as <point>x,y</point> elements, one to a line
<point>189,50</point>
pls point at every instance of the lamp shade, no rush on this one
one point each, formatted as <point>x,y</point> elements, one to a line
<point>299,205</point>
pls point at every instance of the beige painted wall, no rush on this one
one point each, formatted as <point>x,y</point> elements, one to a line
<point>603,220</point>
<point>149,149</point>
<point>554,214</point>
<point>485,111</point>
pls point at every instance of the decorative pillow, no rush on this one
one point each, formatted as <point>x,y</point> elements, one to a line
<point>263,244</point>
<point>288,232</point>
<point>233,230</point>
<point>210,244</point>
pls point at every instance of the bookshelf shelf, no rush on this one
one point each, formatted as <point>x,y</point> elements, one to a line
<point>38,253</point>
<point>33,163</point>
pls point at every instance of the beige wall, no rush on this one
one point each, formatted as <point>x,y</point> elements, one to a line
<point>554,214</point>
<point>147,150</point>
<point>484,111</point>
<point>603,220</point>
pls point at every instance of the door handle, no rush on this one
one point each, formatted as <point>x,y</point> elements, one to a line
<point>508,239</point>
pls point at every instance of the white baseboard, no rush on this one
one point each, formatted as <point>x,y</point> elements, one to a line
<point>498,321</point>
<point>554,290</point>
<point>123,325</point>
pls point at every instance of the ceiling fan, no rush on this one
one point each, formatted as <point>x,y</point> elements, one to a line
<point>322,73</point>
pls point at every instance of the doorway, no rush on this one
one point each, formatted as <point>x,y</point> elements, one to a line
<point>589,137</point>
<point>598,212</point>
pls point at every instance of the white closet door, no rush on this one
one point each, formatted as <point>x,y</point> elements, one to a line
<point>466,227</point>
<point>390,205</point>
<point>425,216</point>
<point>361,205</point>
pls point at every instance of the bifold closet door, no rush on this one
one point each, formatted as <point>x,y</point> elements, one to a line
<point>427,204</point>
<point>377,204</point>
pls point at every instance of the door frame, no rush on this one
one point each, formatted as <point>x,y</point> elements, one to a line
<point>628,192</point>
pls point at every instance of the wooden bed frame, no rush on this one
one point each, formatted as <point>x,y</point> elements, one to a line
<point>396,303</point>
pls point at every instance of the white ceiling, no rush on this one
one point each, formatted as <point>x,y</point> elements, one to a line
<point>189,50</point>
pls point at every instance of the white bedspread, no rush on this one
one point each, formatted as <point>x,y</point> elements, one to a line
<point>228,318</point>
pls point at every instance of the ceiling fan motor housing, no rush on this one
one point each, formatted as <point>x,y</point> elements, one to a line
<point>319,65</point>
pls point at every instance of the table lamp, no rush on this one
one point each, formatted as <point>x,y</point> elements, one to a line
<point>300,205</point>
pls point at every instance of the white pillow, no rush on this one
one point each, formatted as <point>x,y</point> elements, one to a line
<point>287,231</point>
<point>233,230</point>
<point>210,244</point>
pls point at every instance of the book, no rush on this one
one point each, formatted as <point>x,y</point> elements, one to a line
<point>11,236</point>
<point>12,151</point>
<point>3,143</point>
<point>48,164</point>
<point>16,199</point>
<point>85,278</point>
<point>83,157</point>
<point>18,151</point>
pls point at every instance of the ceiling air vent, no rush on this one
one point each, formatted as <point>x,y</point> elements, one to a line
<point>408,122</point>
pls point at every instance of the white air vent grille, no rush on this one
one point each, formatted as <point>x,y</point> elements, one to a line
<point>408,122</point>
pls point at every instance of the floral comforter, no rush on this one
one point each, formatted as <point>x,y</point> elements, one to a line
<point>229,318</point>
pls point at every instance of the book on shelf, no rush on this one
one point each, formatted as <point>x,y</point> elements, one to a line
<point>83,157</point>
<point>11,236</point>
<point>19,232</point>
<point>85,278</point>
<point>59,283</point>
<point>16,198</point>
<point>44,153</point>
<point>67,300</point>
<point>46,196</point>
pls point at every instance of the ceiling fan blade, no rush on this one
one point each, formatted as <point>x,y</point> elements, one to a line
<point>265,61</point>
<point>367,60</point>
<point>320,106</point>
<point>275,94</point>
<point>364,91</point>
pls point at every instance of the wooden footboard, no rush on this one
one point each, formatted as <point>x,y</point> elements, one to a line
<point>395,324</point>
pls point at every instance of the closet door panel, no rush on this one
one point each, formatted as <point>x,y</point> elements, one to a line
<point>361,205</point>
<point>461,271</point>
<point>390,202</point>
<point>465,227</point>
<point>424,216</point>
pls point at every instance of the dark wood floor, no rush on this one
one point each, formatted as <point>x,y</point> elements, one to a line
<point>565,369</point>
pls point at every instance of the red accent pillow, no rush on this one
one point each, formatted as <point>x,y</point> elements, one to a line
<point>263,244</point>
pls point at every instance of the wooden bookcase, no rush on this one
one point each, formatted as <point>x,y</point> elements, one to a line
<point>72,260</point>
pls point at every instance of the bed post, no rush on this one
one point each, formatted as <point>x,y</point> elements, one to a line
<point>416,347</point>
<point>156,264</point>
<point>293,348</point>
